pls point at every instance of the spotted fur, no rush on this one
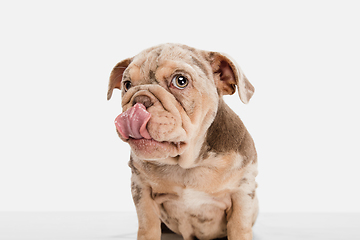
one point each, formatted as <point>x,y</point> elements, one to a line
<point>197,176</point>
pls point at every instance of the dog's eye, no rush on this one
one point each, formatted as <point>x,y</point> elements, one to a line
<point>127,85</point>
<point>180,82</point>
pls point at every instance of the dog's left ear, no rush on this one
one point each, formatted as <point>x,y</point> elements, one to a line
<point>116,76</point>
<point>227,75</point>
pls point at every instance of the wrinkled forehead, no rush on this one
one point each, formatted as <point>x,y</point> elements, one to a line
<point>151,59</point>
<point>163,52</point>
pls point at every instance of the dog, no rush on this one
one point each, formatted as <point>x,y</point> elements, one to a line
<point>193,161</point>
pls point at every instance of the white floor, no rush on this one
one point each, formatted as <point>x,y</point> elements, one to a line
<point>123,226</point>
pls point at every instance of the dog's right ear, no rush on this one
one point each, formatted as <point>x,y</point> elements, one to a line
<point>228,76</point>
<point>116,76</point>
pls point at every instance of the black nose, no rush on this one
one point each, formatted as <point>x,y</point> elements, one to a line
<point>145,100</point>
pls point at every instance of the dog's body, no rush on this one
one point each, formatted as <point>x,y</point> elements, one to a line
<point>193,161</point>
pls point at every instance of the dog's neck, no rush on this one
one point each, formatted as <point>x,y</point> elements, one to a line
<point>224,136</point>
<point>226,132</point>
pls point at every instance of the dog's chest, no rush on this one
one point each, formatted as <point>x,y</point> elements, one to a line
<point>196,213</point>
<point>194,204</point>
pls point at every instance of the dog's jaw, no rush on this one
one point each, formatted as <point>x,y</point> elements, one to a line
<point>152,150</point>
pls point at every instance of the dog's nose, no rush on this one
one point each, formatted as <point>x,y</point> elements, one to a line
<point>145,100</point>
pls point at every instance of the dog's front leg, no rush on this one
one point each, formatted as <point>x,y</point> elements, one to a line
<point>149,222</point>
<point>241,216</point>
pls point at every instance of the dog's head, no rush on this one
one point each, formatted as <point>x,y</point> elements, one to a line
<point>170,97</point>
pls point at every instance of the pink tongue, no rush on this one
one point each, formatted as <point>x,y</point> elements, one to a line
<point>132,123</point>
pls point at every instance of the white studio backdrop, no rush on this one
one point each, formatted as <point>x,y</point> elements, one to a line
<point>59,149</point>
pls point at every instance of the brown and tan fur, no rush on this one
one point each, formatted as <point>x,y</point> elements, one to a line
<point>202,183</point>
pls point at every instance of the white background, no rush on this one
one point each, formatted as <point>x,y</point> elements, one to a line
<point>59,150</point>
